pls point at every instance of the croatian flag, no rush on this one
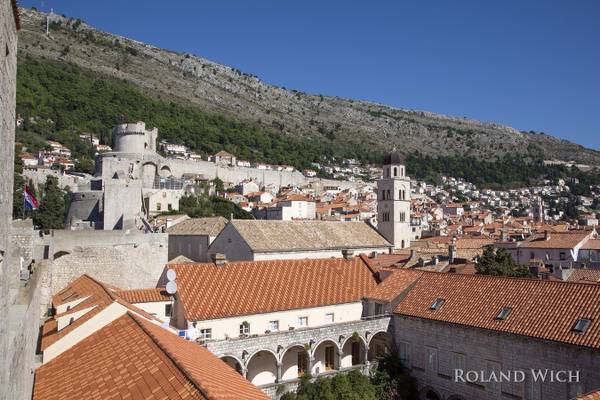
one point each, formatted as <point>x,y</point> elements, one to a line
<point>29,199</point>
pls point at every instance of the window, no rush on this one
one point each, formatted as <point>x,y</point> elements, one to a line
<point>329,358</point>
<point>395,171</point>
<point>503,313</point>
<point>458,362</point>
<point>581,325</point>
<point>575,389</point>
<point>562,255</point>
<point>404,351</point>
<point>531,389</point>
<point>432,360</point>
<point>273,326</point>
<point>158,206</point>
<point>170,207</point>
<point>329,318</point>
<point>205,334</point>
<point>437,304</point>
<point>492,385</point>
<point>378,309</point>
<point>531,255</point>
<point>302,321</point>
<point>244,328</point>
<point>168,309</point>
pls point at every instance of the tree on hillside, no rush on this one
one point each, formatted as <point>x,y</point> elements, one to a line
<point>51,214</point>
<point>203,205</point>
<point>500,263</point>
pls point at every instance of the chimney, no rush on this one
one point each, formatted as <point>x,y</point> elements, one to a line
<point>546,235</point>
<point>219,259</point>
<point>348,254</point>
<point>374,254</point>
<point>413,253</point>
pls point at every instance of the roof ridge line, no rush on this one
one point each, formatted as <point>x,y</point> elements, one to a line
<point>170,356</point>
<point>514,278</point>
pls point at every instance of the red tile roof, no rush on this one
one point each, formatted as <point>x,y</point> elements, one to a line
<point>595,395</point>
<point>251,287</point>
<point>540,308</point>
<point>133,358</point>
<point>563,240</point>
<point>584,276</point>
<point>151,295</point>
<point>395,284</point>
<point>592,244</point>
<point>97,296</point>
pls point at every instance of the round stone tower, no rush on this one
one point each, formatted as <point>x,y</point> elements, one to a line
<point>134,138</point>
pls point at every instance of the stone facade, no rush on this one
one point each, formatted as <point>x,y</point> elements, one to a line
<point>19,313</point>
<point>124,178</point>
<point>121,258</point>
<point>433,350</point>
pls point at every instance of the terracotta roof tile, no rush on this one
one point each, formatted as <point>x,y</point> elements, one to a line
<point>394,284</point>
<point>241,288</point>
<point>133,358</point>
<point>271,235</point>
<point>584,276</point>
<point>151,295</point>
<point>595,395</point>
<point>97,296</point>
<point>210,226</point>
<point>540,308</point>
<point>563,240</point>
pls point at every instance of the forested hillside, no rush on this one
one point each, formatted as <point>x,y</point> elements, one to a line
<point>59,100</point>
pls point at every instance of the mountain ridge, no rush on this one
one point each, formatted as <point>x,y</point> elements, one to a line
<point>184,77</point>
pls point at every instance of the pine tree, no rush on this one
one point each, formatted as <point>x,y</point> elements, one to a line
<point>51,214</point>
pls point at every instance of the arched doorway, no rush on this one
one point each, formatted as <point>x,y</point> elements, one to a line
<point>380,345</point>
<point>326,357</point>
<point>429,394</point>
<point>294,363</point>
<point>233,363</point>
<point>353,352</point>
<point>262,368</point>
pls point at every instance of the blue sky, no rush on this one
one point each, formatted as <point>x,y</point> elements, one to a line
<point>531,65</point>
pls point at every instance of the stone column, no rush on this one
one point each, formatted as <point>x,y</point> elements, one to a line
<point>279,364</point>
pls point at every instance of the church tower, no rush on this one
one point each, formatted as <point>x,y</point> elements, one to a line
<point>393,202</point>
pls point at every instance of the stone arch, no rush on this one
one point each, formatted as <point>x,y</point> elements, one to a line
<point>261,367</point>
<point>295,362</point>
<point>326,356</point>
<point>59,254</point>
<point>354,351</point>
<point>379,344</point>
<point>165,171</point>
<point>429,393</point>
<point>149,171</point>
<point>233,362</point>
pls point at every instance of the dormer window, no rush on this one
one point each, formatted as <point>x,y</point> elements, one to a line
<point>437,304</point>
<point>503,314</point>
<point>581,325</point>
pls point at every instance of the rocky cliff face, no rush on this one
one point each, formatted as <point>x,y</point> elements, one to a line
<point>221,89</point>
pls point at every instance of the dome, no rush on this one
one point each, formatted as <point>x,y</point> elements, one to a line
<point>393,158</point>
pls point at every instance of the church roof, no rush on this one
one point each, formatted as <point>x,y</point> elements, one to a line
<point>393,158</point>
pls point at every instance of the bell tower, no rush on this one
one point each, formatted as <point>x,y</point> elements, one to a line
<point>393,201</point>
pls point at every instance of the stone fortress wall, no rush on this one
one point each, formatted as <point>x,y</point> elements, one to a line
<point>114,199</point>
<point>19,300</point>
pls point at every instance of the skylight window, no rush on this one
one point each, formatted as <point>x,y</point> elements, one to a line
<point>503,313</point>
<point>437,304</point>
<point>581,325</point>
